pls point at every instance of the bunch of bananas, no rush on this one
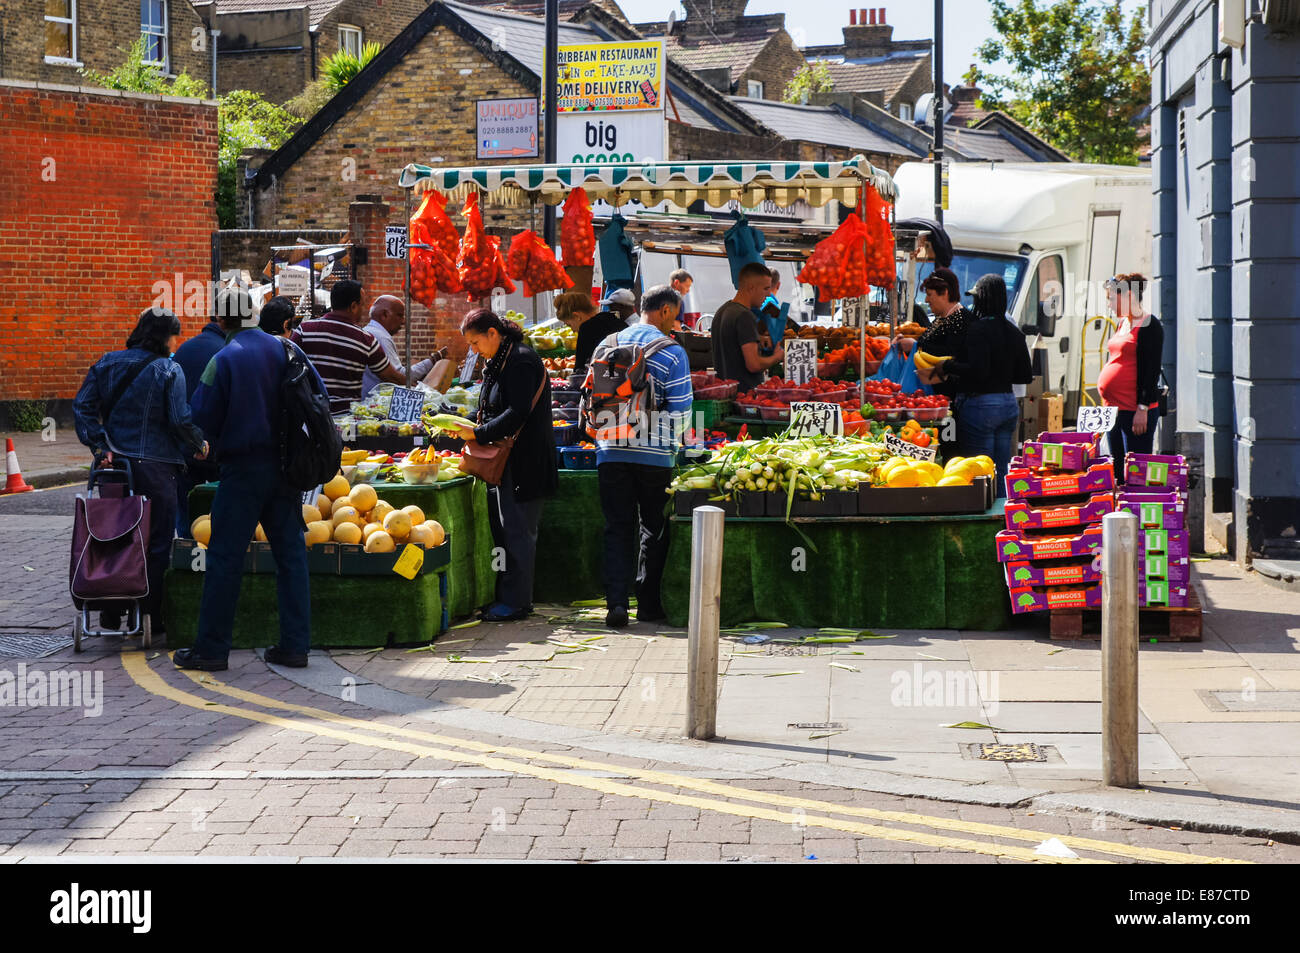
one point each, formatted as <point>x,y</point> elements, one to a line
<point>930,360</point>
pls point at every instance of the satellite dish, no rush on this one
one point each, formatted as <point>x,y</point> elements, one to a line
<point>672,21</point>
<point>924,111</point>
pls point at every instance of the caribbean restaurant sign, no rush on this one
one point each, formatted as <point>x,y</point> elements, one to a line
<point>611,76</point>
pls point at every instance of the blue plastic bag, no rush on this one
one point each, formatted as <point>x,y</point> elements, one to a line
<point>901,368</point>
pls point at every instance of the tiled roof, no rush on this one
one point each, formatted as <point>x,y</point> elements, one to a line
<point>520,36</point>
<point>963,113</point>
<point>820,124</point>
<point>985,144</point>
<point>531,8</point>
<point>734,50</point>
<point>319,9</point>
<point>887,74</point>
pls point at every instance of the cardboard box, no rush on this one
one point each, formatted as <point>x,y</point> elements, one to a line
<point>1024,483</point>
<point>1024,572</point>
<point>1014,545</point>
<point>1069,450</point>
<point>1021,514</point>
<point>1042,598</point>
<point>1156,470</point>
<point>1155,510</point>
<point>1174,544</point>
<point>1051,413</point>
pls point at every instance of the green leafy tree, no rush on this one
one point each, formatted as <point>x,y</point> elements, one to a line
<point>1078,75</point>
<point>341,68</point>
<point>808,79</point>
<point>137,76</point>
<point>245,121</point>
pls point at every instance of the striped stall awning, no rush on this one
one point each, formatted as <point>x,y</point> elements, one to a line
<point>681,183</point>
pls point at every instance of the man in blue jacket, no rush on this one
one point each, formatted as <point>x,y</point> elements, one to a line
<point>237,403</point>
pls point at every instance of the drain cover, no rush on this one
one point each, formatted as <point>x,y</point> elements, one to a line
<point>1020,752</point>
<point>33,646</point>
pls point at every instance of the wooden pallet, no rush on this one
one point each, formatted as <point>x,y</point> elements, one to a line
<point>1164,624</point>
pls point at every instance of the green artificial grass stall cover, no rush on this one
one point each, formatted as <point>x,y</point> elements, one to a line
<point>345,610</point>
<point>571,541</point>
<point>907,573</point>
<point>460,506</point>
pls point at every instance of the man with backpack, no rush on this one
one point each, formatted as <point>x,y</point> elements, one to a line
<point>248,405</point>
<point>638,403</point>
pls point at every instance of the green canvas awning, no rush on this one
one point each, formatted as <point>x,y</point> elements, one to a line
<point>682,183</point>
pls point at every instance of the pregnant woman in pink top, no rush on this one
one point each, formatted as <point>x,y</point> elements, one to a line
<point>1130,379</point>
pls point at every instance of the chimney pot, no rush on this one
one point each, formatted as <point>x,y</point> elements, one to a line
<point>853,17</point>
<point>881,21</point>
<point>872,11</point>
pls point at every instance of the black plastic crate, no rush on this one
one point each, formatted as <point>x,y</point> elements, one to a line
<point>832,503</point>
<point>355,561</point>
<point>684,501</point>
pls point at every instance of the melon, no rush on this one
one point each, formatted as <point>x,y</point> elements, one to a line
<point>202,530</point>
<point>205,518</point>
<point>259,534</point>
<point>439,534</point>
<point>363,497</point>
<point>380,510</point>
<point>369,529</point>
<point>336,487</point>
<point>414,513</point>
<point>347,514</point>
<point>324,504</point>
<point>380,542</point>
<point>347,532</point>
<point>318,531</point>
<point>310,514</point>
<point>398,524</point>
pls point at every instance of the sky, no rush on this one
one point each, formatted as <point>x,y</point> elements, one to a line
<point>966,22</point>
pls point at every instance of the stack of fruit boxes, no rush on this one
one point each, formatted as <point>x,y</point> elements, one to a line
<point>1057,494</point>
<point>1156,493</point>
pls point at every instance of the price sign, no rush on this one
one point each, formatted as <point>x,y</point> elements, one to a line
<point>801,360</point>
<point>815,419</point>
<point>395,241</point>
<point>405,405</point>
<point>901,448</point>
<point>1097,419</point>
<point>467,369</point>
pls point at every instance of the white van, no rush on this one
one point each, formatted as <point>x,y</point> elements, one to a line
<point>1055,232</point>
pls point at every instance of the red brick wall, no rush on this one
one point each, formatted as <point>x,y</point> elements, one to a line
<point>101,196</point>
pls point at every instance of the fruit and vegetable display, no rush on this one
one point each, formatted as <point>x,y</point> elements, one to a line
<point>577,238</point>
<point>889,403</point>
<point>707,386</point>
<point>857,254</point>
<point>531,261</point>
<point>550,338</point>
<point>910,330</point>
<point>771,400</point>
<point>558,365</point>
<point>479,260</point>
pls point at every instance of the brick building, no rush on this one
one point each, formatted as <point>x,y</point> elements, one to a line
<point>276,47</point>
<point>47,41</point>
<point>103,195</point>
<point>871,61</point>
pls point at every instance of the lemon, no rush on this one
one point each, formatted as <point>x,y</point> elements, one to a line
<point>903,476</point>
<point>953,462</point>
<point>986,465</point>
<point>953,481</point>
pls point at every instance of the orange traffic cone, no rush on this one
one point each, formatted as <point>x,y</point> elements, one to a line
<point>15,483</point>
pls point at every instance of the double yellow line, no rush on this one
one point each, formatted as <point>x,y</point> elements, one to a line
<point>761,804</point>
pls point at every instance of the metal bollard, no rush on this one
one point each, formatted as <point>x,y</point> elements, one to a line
<point>706,606</point>
<point>1119,650</point>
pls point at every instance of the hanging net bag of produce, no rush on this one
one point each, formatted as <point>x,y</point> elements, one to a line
<point>531,262</point>
<point>577,239</point>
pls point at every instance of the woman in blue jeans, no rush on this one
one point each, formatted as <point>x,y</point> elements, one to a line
<point>988,359</point>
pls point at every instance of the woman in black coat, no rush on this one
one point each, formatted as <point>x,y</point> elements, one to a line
<point>515,400</point>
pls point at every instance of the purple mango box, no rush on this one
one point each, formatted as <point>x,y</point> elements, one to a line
<point>1022,573</point>
<point>1158,566</point>
<point>1040,599</point>
<point>1155,510</point>
<point>1155,469</point>
<point>1067,450</point>
<point>1156,593</point>
<point>1022,515</point>
<point>1176,544</point>
<point>1014,545</point>
<point>1024,483</point>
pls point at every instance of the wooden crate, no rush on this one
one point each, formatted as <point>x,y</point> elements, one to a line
<point>1164,624</point>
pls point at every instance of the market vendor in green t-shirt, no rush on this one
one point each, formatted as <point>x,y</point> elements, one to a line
<point>735,331</point>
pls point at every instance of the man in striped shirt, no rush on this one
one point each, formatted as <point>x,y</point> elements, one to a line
<point>634,472</point>
<point>341,350</point>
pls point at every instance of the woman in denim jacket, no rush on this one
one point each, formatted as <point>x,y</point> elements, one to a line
<point>132,406</point>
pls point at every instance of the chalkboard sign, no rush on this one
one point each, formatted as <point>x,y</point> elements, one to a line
<point>1097,419</point>
<point>405,405</point>
<point>801,360</point>
<point>816,419</point>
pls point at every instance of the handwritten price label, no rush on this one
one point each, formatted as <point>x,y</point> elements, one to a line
<point>801,360</point>
<point>815,419</point>
<point>405,405</point>
<point>1097,419</point>
<point>395,241</point>
<point>901,448</point>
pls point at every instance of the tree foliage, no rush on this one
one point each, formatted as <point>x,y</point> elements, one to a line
<point>137,76</point>
<point>808,79</point>
<point>1078,75</point>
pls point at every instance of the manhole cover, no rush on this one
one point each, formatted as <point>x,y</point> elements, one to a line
<point>1020,752</point>
<point>1252,700</point>
<point>815,725</point>
<point>33,646</point>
